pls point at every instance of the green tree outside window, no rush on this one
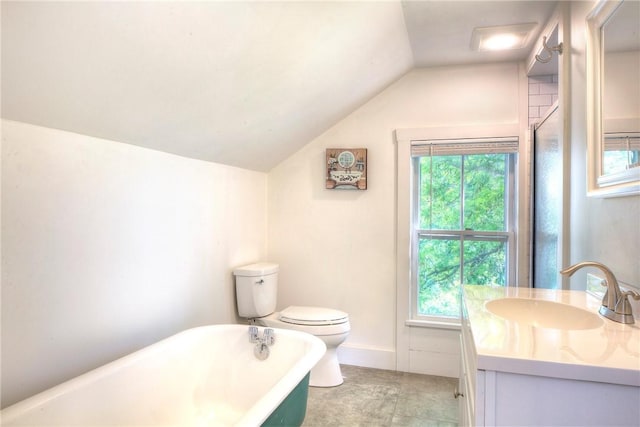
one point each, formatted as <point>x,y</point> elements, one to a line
<point>462,227</point>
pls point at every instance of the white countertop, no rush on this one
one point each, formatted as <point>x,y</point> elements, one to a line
<point>609,353</point>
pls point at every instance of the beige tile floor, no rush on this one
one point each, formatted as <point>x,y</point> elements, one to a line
<point>374,397</point>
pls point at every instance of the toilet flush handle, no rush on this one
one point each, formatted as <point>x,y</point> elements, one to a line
<point>260,282</point>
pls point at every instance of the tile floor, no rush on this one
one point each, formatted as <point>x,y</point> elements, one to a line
<point>374,397</point>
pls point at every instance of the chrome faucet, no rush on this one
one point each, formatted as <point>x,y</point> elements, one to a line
<point>261,350</point>
<point>615,303</point>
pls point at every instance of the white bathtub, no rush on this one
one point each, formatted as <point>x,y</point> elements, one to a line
<point>206,376</point>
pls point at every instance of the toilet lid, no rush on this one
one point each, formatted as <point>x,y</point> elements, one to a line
<point>313,316</point>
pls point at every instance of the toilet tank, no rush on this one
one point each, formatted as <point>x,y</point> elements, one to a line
<point>256,289</point>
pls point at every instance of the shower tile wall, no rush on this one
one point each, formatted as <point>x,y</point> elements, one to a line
<point>543,92</point>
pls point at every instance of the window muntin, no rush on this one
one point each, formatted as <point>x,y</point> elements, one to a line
<point>463,220</point>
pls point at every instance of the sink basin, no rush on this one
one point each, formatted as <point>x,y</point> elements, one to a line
<point>543,313</point>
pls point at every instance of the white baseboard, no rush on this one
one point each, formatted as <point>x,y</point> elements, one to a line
<point>367,356</point>
<point>420,362</point>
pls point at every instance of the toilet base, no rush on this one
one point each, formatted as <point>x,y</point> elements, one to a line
<point>327,371</point>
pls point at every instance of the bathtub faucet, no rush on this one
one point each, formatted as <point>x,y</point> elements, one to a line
<point>261,350</point>
<point>268,337</point>
<point>615,304</point>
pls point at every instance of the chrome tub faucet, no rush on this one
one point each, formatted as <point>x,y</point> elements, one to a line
<point>615,303</point>
<point>268,338</point>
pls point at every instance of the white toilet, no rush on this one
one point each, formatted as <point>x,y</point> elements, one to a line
<point>256,291</point>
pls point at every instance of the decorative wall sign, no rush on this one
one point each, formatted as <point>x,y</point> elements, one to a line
<point>347,168</point>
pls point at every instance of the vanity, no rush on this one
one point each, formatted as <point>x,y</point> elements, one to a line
<point>545,357</point>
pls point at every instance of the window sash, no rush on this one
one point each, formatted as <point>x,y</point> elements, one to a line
<point>508,236</point>
<point>462,237</point>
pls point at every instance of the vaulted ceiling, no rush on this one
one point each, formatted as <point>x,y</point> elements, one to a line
<point>240,83</point>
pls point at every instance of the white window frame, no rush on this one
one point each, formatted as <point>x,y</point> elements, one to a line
<point>404,172</point>
<point>509,235</point>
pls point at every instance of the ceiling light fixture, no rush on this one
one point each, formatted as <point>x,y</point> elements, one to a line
<point>502,37</point>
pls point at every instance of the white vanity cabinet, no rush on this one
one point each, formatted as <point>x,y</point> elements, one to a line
<point>466,392</point>
<point>525,375</point>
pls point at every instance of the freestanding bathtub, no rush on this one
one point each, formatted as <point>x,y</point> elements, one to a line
<point>206,376</point>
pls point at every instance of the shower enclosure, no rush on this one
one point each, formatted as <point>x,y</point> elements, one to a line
<point>548,207</point>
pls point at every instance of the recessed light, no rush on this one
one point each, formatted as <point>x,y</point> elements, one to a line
<point>503,37</point>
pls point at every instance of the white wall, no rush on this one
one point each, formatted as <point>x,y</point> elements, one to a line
<point>337,248</point>
<point>604,230</point>
<point>107,247</point>
<point>621,99</point>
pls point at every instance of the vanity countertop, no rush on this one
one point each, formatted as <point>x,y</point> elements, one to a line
<point>609,352</point>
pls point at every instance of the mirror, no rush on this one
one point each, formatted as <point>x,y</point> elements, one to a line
<point>613,98</point>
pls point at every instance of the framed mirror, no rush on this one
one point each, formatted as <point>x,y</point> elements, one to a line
<point>613,99</point>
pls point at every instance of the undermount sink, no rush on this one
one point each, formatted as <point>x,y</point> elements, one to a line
<point>543,313</point>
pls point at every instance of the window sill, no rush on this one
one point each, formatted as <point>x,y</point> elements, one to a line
<point>434,324</point>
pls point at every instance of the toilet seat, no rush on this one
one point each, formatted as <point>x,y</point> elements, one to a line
<point>327,330</point>
<point>313,316</point>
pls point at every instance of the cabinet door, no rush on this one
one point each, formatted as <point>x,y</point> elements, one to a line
<point>464,393</point>
<point>459,394</point>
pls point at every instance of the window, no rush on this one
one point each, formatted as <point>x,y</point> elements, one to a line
<point>463,194</point>
<point>621,152</point>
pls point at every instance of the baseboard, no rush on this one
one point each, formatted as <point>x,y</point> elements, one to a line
<point>367,356</point>
<point>420,362</point>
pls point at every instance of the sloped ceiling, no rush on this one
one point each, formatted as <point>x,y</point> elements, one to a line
<point>440,31</point>
<point>240,83</point>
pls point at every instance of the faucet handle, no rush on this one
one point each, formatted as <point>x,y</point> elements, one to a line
<point>632,294</point>
<point>269,336</point>
<point>253,334</point>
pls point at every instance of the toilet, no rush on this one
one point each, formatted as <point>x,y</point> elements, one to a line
<point>256,292</point>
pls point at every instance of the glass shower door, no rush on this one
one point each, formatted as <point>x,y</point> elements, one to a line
<point>548,185</point>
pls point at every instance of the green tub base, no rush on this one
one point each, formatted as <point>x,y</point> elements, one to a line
<point>293,408</point>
